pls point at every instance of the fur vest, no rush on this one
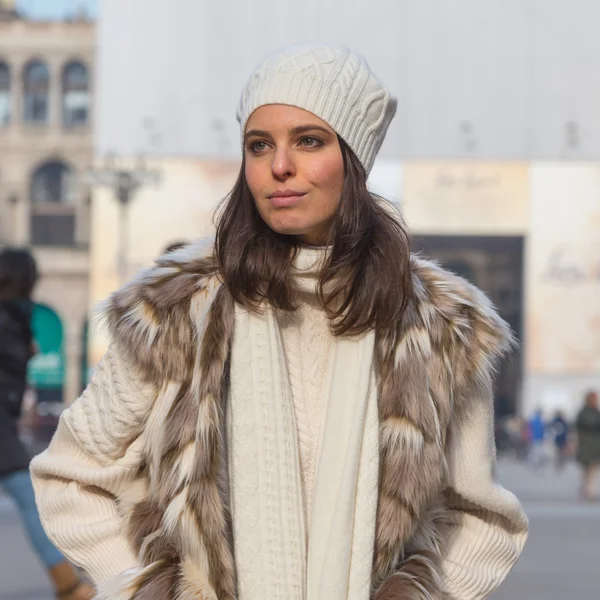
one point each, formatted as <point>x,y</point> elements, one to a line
<point>175,322</point>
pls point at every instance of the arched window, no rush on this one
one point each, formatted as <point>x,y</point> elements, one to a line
<point>53,194</point>
<point>75,94</point>
<point>53,183</point>
<point>4,93</point>
<point>36,86</point>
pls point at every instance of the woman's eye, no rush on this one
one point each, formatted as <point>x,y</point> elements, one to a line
<point>258,146</point>
<point>311,142</point>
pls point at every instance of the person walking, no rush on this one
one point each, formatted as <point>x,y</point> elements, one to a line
<point>301,409</point>
<point>588,444</point>
<point>560,433</point>
<point>537,431</point>
<point>18,275</point>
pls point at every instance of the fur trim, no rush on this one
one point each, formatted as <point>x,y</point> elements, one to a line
<point>450,338</point>
<point>127,586</point>
<point>176,323</point>
<point>151,317</point>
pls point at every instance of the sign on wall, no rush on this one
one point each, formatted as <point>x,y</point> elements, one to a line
<point>466,198</point>
<point>563,270</point>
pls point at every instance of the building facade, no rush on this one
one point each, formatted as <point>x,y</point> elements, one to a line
<point>46,74</point>
<point>494,153</point>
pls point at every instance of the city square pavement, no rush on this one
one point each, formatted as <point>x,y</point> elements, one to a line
<point>561,559</point>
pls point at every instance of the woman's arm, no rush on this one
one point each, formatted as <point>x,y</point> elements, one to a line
<point>93,459</point>
<point>481,528</point>
<point>487,527</point>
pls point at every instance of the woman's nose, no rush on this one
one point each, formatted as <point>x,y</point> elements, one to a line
<point>283,165</point>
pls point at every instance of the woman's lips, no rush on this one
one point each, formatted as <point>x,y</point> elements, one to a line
<point>286,201</point>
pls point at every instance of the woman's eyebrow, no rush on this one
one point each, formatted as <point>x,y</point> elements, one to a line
<point>257,133</point>
<point>295,131</point>
<point>306,128</point>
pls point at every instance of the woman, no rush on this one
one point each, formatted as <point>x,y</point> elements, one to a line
<point>18,274</point>
<point>303,410</point>
<point>588,444</point>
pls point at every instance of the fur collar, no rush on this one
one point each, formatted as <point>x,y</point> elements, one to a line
<point>175,323</point>
<point>153,312</point>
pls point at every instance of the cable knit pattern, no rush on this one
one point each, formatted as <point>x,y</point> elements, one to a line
<point>366,508</point>
<point>307,342</point>
<point>478,552</point>
<point>264,466</point>
<point>95,456</point>
<point>106,439</point>
<point>241,424</point>
<point>333,436</point>
<point>331,82</point>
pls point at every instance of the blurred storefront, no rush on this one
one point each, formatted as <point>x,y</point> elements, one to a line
<point>562,308</point>
<point>529,235</point>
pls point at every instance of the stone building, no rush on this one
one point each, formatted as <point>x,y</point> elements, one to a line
<point>46,74</point>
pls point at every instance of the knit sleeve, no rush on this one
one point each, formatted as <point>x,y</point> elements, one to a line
<point>92,460</point>
<point>487,527</point>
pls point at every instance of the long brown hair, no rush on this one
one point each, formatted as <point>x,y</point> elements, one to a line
<point>366,274</point>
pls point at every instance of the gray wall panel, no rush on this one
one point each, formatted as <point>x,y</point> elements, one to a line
<point>500,79</point>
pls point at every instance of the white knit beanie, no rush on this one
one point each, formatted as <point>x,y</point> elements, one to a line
<point>332,83</point>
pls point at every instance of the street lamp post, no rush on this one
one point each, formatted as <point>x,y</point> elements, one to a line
<point>124,184</point>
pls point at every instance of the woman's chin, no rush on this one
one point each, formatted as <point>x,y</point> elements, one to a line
<point>289,228</point>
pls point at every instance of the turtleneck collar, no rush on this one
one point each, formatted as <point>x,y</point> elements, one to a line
<point>306,267</point>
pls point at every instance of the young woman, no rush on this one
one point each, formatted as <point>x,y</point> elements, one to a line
<point>18,275</point>
<point>302,410</point>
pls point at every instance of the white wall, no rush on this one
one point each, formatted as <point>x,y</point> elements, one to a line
<point>517,71</point>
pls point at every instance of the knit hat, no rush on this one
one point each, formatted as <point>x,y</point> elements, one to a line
<point>332,83</point>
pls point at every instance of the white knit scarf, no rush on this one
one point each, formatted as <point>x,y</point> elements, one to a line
<point>271,557</point>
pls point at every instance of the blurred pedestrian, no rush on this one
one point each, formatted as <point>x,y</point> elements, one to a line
<point>230,445</point>
<point>525,436</point>
<point>18,275</point>
<point>588,443</point>
<point>537,428</point>
<point>560,433</point>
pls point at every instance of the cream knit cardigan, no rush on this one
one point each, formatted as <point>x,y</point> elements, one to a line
<point>96,454</point>
<point>340,484</point>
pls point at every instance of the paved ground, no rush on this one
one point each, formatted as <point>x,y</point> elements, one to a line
<point>561,560</point>
<point>562,556</point>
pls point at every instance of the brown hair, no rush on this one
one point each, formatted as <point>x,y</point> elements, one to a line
<point>367,270</point>
<point>18,274</point>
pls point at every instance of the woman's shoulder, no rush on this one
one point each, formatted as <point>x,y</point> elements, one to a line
<point>150,318</point>
<point>459,314</point>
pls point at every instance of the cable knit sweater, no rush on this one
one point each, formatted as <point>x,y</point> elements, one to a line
<point>307,342</point>
<point>90,478</point>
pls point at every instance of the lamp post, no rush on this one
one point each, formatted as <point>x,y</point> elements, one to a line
<point>124,184</point>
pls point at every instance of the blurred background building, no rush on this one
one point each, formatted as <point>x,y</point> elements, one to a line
<point>492,153</point>
<point>46,74</point>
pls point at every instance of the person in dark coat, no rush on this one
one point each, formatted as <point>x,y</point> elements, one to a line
<point>560,434</point>
<point>588,447</point>
<point>18,275</point>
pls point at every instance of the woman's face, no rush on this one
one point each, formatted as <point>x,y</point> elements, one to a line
<point>295,171</point>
